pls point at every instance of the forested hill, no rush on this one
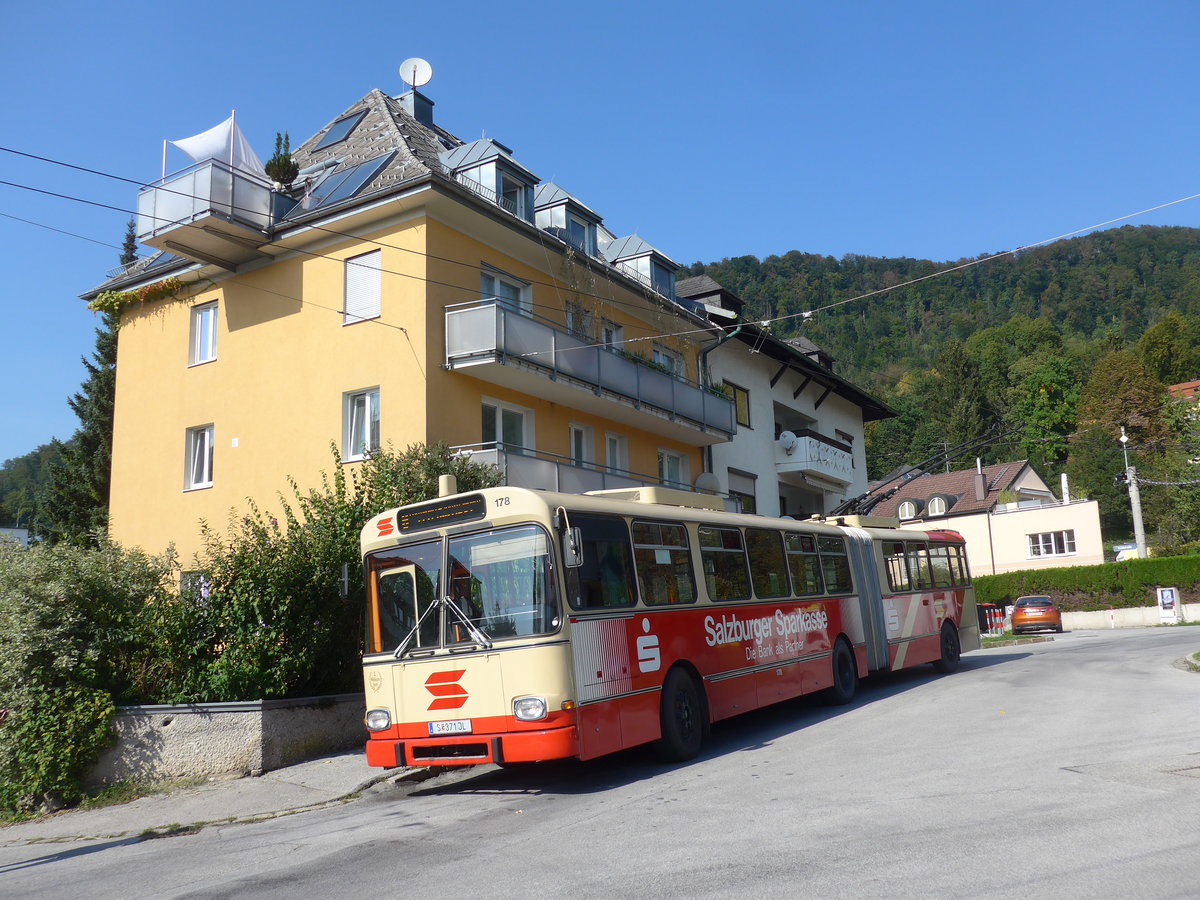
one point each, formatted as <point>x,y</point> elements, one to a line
<point>1110,285</point>
<point>1043,355</point>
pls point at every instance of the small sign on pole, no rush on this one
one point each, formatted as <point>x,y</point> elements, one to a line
<point>1168,605</point>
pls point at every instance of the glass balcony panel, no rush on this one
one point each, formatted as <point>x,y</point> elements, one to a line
<point>470,331</point>
<point>657,388</point>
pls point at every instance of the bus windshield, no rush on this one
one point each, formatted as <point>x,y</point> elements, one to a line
<point>494,585</point>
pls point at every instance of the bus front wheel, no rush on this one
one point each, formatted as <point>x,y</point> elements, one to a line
<point>951,650</point>
<point>682,718</point>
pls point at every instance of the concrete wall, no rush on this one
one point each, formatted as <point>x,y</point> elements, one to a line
<point>158,743</point>
<point>1137,617</point>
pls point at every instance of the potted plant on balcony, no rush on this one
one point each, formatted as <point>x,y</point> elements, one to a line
<point>281,168</point>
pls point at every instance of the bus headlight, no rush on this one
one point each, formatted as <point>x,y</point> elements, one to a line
<point>378,719</point>
<point>529,709</point>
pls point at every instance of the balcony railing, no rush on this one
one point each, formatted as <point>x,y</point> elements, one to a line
<point>487,331</point>
<point>816,454</point>
<point>206,187</point>
<point>522,467</point>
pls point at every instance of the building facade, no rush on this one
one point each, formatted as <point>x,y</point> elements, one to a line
<point>407,287</point>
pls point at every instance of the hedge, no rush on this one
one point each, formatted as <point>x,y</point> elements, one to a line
<point>1106,586</point>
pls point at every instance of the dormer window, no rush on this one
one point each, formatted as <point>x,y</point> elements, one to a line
<point>662,280</point>
<point>512,195</point>
<point>646,264</point>
<point>937,506</point>
<point>487,168</point>
<point>566,218</point>
<point>909,509</point>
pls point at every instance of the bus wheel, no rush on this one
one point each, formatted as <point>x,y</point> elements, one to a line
<point>951,652</point>
<point>682,718</point>
<point>845,674</point>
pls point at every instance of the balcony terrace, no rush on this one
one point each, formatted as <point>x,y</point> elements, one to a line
<point>815,454</point>
<point>499,345</point>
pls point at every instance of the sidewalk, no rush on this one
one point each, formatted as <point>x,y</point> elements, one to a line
<point>305,786</point>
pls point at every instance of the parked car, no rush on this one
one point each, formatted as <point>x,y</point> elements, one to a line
<point>1035,614</point>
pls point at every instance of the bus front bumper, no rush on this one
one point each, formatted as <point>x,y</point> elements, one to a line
<point>474,749</point>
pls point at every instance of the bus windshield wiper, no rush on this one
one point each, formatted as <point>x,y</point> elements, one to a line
<point>478,636</point>
<point>403,648</point>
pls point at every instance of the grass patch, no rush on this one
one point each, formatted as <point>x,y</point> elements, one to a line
<point>128,791</point>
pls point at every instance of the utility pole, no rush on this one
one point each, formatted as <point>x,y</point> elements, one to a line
<point>1135,498</point>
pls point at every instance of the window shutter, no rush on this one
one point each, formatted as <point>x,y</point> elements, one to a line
<point>363,282</point>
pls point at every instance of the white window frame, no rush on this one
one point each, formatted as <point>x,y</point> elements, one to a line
<point>906,510</point>
<point>581,445</point>
<point>936,506</point>
<point>616,452</point>
<point>202,341</point>
<point>503,179</point>
<point>665,460</point>
<point>669,359</point>
<point>1049,544</point>
<point>524,299</point>
<point>527,429</point>
<point>613,335</point>
<point>362,288</point>
<point>581,321</point>
<point>360,432</point>
<point>198,458</point>
<point>734,390</point>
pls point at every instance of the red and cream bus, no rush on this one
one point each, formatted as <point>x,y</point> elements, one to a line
<point>510,625</point>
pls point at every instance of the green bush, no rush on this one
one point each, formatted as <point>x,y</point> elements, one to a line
<point>1106,586</point>
<point>73,641</point>
<point>268,619</point>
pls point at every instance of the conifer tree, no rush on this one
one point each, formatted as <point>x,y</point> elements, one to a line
<point>74,501</point>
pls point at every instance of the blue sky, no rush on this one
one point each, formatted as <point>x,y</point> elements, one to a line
<point>922,128</point>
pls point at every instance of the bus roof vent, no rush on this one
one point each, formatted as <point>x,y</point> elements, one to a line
<point>663,495</point>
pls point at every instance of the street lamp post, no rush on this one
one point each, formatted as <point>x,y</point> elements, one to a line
<point>1135,497</point>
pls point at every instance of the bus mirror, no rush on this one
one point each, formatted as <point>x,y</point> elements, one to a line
<point>572,548</point>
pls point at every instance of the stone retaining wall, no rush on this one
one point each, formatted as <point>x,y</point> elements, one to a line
<point>159,743</point>
<point>1135,617</point>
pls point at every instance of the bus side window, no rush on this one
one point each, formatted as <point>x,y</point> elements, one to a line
<point>724,561</point>
<point>939,559</point>
<point>605,580</point>
<point>804,564</point>
<point>768,568</point>
<point>664,565</point>
<point>897,570</point>
<point>958,560</point>
<point>918,566</point>
<point>835,564</point>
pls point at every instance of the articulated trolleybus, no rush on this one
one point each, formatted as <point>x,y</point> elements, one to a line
<point>510,625</point>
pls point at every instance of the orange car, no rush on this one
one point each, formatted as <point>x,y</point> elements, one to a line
<point>1035,614</point>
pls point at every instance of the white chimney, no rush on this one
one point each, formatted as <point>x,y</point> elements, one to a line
<point>1066,490</point>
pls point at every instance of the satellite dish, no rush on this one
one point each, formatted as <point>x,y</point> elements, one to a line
<point>416,71</point>
<point>708,483</point>
<point>788,441</point>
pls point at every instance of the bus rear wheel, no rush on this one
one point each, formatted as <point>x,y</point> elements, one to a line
<point>951,650</point>
<point>845,674</point>
<point>681,716</point>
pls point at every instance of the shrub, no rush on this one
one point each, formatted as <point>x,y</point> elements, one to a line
<point>71,620</point>
<point>1106,586</point>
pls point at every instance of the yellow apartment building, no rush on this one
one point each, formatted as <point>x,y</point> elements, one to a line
<point>405,287</point>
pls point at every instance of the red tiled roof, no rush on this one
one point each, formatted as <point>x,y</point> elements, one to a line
<point>960,485</point>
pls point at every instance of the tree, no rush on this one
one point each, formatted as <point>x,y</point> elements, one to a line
<point>73,505</point>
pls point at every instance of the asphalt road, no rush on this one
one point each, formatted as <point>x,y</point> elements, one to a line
<point>1064,769</point>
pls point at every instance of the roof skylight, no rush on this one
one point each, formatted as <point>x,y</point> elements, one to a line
<point>340,130</point>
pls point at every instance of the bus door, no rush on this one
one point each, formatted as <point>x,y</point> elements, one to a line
<point>861,549</point>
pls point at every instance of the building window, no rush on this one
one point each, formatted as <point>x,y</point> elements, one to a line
<point>668,360</point>
<point>741,403</point>
<point>616,453</point>
<point>364,283</point>
<point>360,430</point>
<point>507,427</point>
<point>581,445</point>
<point>203,344</point>
<point>581,235</point>
<point>907,510</point>
<point>1052,543</point>
<point>198,468</point>
<point>937,506</point>
<point>742,490</point>
<point>613,335</point>
<point>512,195</point>
<point>662,280</point>
<point>512,293</point>
<point>672,468</point>
<point>580,321</point>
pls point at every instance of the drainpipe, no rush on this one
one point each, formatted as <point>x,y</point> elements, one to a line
<point>703,370</point>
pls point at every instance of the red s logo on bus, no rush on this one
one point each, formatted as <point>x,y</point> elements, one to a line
<point>648,655</point>
<point>445,688</point>
<point>385,526</point>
